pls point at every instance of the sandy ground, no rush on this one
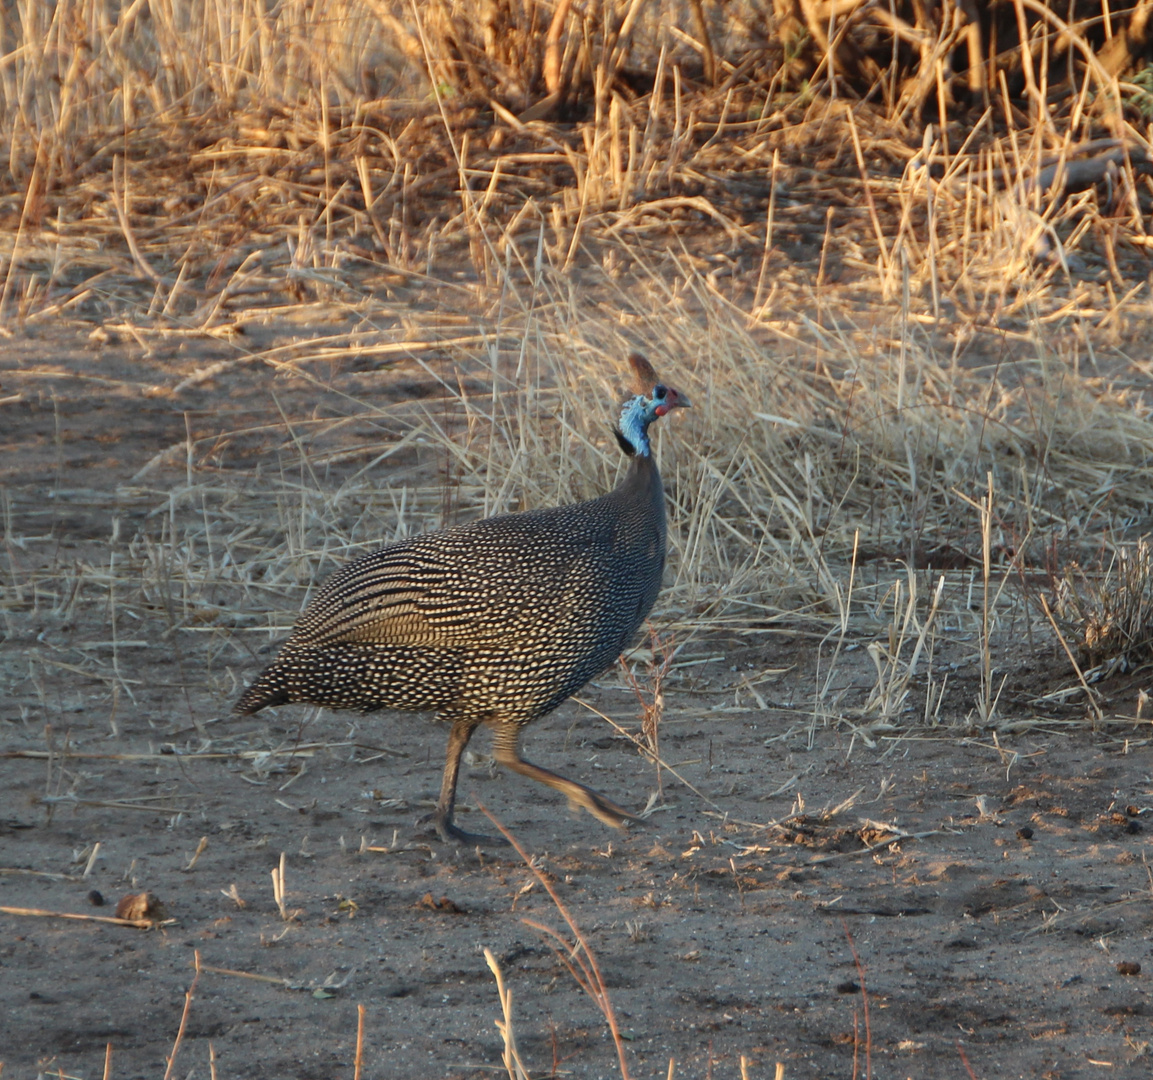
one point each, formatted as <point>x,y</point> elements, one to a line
<point>996,891</point>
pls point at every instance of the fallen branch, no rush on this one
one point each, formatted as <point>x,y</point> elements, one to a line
<point>140,924</point>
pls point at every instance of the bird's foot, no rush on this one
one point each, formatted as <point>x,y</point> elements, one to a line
<point>604,809</point>
<point>451,833</point>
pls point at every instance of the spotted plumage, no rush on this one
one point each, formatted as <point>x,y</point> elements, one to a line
<point>496,621</point>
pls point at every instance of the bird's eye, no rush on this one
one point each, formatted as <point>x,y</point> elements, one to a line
<point>659,391</point>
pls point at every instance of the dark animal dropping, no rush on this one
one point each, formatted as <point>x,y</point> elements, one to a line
<point>494,622</point>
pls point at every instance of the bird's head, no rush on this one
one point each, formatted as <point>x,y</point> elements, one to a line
<point>652,398</point>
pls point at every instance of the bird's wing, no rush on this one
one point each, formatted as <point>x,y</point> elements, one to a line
<point>439,590</point>
<point>379,599</point>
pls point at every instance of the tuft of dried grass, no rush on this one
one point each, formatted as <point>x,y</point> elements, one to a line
<point>878,318</point>
<point>1108,615</point>
<point>185,170</point>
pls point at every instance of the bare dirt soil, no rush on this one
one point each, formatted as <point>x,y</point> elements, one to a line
<point>996,888</point>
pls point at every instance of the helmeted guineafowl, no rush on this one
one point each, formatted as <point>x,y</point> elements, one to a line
<point>492,622</point>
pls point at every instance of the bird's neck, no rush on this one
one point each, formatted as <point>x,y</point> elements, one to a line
<point>634,426</point>
<point>643,480</point>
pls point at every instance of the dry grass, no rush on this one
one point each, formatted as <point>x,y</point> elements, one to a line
<point>182,171</point>
<point>912,351</point>
<point>1108,615</point>
<point>875,335</point>
<point>773,482</point>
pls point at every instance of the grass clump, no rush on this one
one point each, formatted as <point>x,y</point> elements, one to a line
<point>1108,615</point>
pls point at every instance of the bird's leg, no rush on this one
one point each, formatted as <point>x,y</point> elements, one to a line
<point>449,832</point>
<point>506,749</point>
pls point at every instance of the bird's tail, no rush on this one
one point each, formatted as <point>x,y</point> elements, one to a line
<point>267,690</point>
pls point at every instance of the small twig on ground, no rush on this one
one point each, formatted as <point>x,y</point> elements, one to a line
<point>274,979</point>
<point>965,1061</point>
<point>864,1004</point>
<point>201,847</point>
<point>278,887</point>
<point>359,1061</point>
<point>184,1017</point>
<point>140,924</point>
<point>511,1057</point>
<point>585,970</point>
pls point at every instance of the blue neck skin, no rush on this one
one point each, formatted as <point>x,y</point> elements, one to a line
<point>637,414</point>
